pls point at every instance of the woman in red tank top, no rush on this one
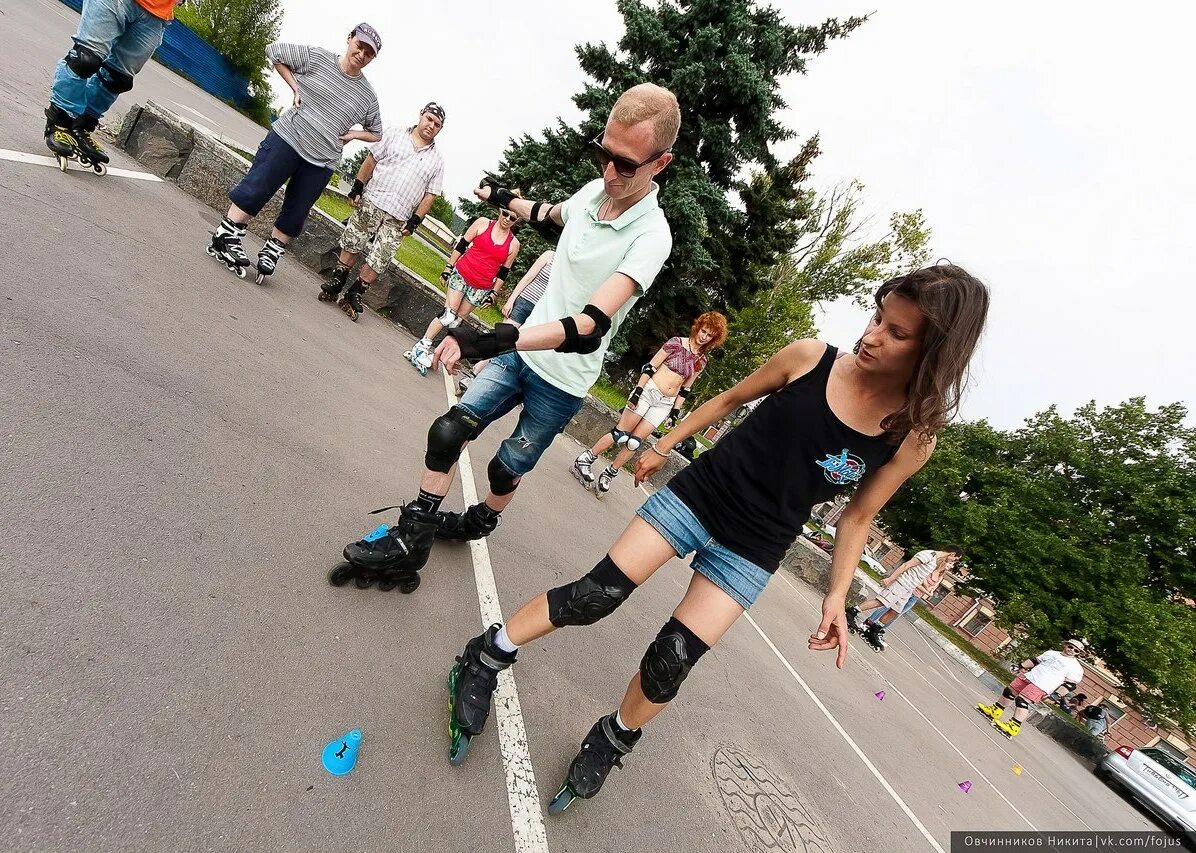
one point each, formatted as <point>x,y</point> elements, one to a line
<point>479,265</point>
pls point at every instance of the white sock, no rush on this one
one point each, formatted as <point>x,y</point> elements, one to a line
<point>619,721</point>
<point>504,642</point>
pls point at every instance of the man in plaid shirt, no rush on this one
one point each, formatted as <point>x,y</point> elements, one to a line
<point>394,189</point>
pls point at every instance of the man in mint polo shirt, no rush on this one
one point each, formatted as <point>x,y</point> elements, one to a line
<point>613,240</point>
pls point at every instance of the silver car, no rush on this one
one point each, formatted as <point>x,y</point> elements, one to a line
<point>1158,781</point>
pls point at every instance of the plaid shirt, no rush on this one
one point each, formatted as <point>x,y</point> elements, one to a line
<point>404,173</point>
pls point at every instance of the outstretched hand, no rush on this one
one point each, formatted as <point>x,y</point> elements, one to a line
<point>832,630</point>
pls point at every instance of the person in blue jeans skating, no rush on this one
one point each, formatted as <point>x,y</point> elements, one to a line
<point>613,241</point>
<point>114,40</point>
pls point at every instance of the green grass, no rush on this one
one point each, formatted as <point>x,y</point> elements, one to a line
<point>421,259</point>
<point>609,394</point>
<point>334,205</point>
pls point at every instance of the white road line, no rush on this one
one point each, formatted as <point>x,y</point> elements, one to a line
<point>527,819</point>
<point>971,721</point>
<point>949,670</point>
<point>39,160</point>
<point>859,752</point>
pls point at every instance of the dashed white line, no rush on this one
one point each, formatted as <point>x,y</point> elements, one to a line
<point>527,819</point>
<point>40,160</point>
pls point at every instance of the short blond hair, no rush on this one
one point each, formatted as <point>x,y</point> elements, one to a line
<point>649,102</point>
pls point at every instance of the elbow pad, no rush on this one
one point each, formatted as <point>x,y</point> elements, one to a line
<point>545,226</point>
<point>462,245</point>
<point>502,274</point>
<point>647,369</point>
<point>585,344</point>
<point>683,393</point>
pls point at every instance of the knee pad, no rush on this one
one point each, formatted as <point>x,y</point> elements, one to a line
<point>668,660</point>
<point>115,81</point>
<point>502,481</point>
<point>449,319</point>
<point>1008,694</point>
<point>1021,703</point>
<point>447,436</point>
<point>83,60</point>
<point>626,439</point>
<point>590,598</point>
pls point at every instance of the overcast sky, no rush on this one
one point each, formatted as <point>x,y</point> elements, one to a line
<point>1049,145</point>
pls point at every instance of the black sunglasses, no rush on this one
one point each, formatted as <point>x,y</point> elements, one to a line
<point>623,167</point>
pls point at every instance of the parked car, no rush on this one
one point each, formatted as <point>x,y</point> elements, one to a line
<point>1158,781</point>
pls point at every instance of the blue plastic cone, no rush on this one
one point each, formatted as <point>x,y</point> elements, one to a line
<point>340,756</point>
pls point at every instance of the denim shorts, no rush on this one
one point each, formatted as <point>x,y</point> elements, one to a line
<point>737,576</point>
<point>521,310</point>
<point>505,382</point>
<point>274,163</point>
<point>478,297</point>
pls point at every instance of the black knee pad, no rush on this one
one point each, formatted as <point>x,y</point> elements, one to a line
<point>590,598</point>
<point>1021,703</point>
<point>668,660</point>
<point>502,481</point>
<point>1008,694</point>
<point>447,435</point>
<point>115,81</point>
<point>83,60</point>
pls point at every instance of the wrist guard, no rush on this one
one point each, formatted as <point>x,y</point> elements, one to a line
<point>499,196</point>
<point>413,223</point>
<point>633,399</point>
<point>358,188</point>
<point>477,345</point>
<point>445,273</point>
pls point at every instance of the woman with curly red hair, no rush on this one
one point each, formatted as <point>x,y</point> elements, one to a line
<point>657,398</point>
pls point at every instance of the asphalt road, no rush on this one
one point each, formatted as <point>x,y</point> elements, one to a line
<point>183,456</point>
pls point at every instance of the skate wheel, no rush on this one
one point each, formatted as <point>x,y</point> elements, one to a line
<point>563,799</point>
<point>459,747</point>
<point>409,585</point>
<point>363,581</point>
<point>240,271</point>
<point>260,278</point>
<point>387,584</point>
<point>211,252</point>
<point>341,574</point>
<point>62,163</point>
<point>100,169</point>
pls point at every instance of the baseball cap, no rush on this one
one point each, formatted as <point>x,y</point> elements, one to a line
<point>364,32</point>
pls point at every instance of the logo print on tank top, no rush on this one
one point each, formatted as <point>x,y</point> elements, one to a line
<point>842,468</point>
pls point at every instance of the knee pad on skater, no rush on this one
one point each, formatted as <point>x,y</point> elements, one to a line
<point>1008,694</point>
<point>114,80</point>
<point>590,598</point>
<point>449,319</point>
<point>668,661</point>
<point>83,60</point>
<point>447,436</point>
<point>502,481</point>
<point>1021,702</point>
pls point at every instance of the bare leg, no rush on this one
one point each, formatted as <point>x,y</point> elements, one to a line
<point>366,273</point>
<point>641,431</point>
<point>708,612</point>
<point>347,259</point>
<point>280,236</point>
<point>638,552</point>
<point>237,215</point>
<point>438,483</point>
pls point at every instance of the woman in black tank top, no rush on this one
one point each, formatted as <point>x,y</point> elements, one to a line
<point>829,421</point>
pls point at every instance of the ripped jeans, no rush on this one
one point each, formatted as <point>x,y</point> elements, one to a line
<point>503,384</point>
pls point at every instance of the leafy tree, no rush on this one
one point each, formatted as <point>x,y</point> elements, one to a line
<point>1081,526</point>
<point>240,30</point>
<point>723,59</point>
<point>350,165</point>
<point>831,260</point>
<point>442,210</point>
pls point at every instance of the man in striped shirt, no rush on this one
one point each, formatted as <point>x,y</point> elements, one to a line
<point>395,187</point>
<point>304,145</point>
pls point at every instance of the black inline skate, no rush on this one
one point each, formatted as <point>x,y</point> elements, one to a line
<point>226,246</point>
<point>350,301</point>
<point>472,682</point>
<point>874,635</point>
<point>331,289</point>
<point>67,142</point>
<point>477,522</point>
<point>268,258</point>
<point>603,748</point>
<point>390,556</point>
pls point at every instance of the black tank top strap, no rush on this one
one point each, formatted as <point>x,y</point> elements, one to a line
<point>820,373</point>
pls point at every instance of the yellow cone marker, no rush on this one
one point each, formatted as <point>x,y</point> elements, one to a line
<point>1017,770</point>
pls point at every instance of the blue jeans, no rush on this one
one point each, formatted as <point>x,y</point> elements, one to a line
<point>737,576</point>
<point>505,382</point>
<point>875,615</point>
<point>521,310</point>
<point>121,32</point>
<point>273,164</point>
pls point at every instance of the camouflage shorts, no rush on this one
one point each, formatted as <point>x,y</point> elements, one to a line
<point>372,225</point>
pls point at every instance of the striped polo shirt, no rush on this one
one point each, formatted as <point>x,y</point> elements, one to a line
<point>404,173</point>
<point>330,103</point>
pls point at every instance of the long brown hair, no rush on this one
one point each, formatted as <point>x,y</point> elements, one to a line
<point>955,304</point>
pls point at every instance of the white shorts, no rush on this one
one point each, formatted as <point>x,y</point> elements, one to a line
<point>894,597</point>
<point>653,406</point>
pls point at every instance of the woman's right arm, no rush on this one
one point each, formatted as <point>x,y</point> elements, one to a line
<point>289,60</point>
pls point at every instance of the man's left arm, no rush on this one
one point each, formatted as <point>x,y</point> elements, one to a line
<point>421,210</point>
